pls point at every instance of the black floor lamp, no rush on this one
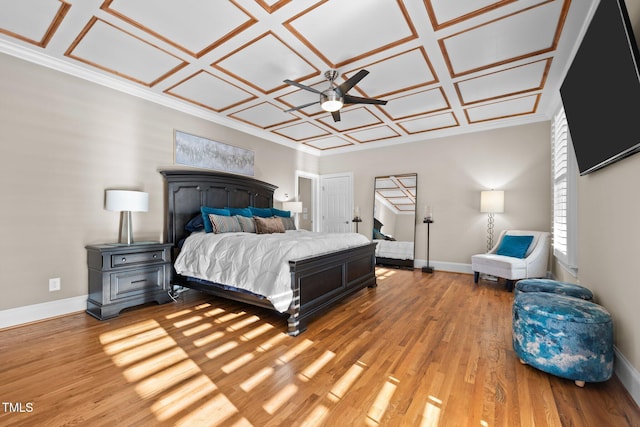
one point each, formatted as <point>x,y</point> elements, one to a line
<point>428,219</point>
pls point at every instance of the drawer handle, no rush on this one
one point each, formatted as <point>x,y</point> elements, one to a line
<point>155,256</point>
<point>124,259</point>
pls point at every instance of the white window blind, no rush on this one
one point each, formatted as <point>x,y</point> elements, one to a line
<point>564,193</point>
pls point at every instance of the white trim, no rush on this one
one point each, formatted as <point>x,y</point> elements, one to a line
<point>451,267</point>
<point>628,375</point>
<point>33,313</point>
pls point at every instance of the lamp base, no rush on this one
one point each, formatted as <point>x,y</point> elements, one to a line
<point>126,229</point>
<point>427,269</point>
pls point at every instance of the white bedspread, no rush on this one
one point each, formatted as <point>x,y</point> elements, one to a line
<point>394,249</point>
<point>258,263</point>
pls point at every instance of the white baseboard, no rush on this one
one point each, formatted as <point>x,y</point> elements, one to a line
<point>453,267</point>
<point>628,375</point>
<point>45,310</point>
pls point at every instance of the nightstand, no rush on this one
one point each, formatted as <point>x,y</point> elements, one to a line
<point>122,276</point>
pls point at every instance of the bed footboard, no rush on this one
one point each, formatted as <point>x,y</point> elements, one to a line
<point>320,282</point>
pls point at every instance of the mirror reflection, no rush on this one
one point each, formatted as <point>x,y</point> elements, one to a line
<point>394,219</point>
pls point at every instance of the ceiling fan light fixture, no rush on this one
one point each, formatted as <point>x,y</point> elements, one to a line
<point>330,101</point>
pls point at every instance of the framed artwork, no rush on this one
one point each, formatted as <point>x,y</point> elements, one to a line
<point>196,151</point>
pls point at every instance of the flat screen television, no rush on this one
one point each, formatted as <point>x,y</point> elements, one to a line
<point>601,91</point>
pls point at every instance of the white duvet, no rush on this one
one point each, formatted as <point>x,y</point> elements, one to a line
<point>394,249</point>
<point>258,263</point>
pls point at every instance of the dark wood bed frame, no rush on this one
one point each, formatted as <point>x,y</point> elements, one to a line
<point>318,282</point>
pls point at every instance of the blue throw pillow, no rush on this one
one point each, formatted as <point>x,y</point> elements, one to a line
<point>195,224</point>
<point>514,246</point>
<point>205,211</point>
<point>278,212</point>
<point>261,212</point>
<point>240,211</point>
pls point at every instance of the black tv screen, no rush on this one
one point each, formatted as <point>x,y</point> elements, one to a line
<point>601,91</point>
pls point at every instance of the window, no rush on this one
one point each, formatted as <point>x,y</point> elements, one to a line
<point>565,193</point>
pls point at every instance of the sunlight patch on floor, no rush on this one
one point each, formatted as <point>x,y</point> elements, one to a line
<point>431,414</point>
<point>342,386</point>
<point>221,349</point>
<point>215,336</point>
<point>379,407</point>
<point>280,398</point>
<point>294,352</point>
<point>310,371</point>
<point>256,332</point>
<point>256,379</point>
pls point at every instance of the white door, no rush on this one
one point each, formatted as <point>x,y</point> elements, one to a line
<point>337,202</point>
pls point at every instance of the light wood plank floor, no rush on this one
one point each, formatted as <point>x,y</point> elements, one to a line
<point>419,350</point>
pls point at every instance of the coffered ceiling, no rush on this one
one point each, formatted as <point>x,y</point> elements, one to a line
<point>445,67</point>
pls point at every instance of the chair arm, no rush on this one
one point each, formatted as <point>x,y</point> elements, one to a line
<point>538,259</point>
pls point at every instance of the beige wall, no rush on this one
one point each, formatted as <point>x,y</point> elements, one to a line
<point>451,173</point>
<point>609,247</point>
<point>63,142</point>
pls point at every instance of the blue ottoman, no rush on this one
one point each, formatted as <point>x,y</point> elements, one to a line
<point>564,336</point>
<point>554,287</point>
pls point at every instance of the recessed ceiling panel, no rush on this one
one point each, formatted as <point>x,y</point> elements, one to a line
<point>109,48</point>
<point>210,22</point>
<point>448,12</point>
<point>503,109</point>
<point>342,31</point>
<point>351,119</point>
<point>263,115</point>
<point>378,133</point>
<point>522,34</point>
<point>210,91</point>
<point>301,131</point>
<point>423,102</point>
<point>265,62</point>
<point>431,123</point>
<point>504,83</point>
<point>20,21</point>
<point>398,73</point>
<point>328,143</point>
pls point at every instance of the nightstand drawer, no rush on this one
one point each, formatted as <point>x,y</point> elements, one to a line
<point>124,259</point>
<point>135,282</point>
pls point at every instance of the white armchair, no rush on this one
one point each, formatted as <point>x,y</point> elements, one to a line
<point>533,265</point>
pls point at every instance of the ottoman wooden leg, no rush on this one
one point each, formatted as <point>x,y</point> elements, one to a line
<point>579,383</point>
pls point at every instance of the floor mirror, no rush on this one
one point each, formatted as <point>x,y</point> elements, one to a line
<point>394,219</point>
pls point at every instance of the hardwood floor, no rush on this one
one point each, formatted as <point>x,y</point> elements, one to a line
<point>418,350</point>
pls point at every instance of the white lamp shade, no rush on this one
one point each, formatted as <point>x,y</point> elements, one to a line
<point>293,207</point>
<point>492,201</point>
<point>125,200</point>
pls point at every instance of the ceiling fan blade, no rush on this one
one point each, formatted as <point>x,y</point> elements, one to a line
<point>351,82</point>
<point>301,86</point>
<point>348,99</point>
<point>336,115</point>
<point>299,107</point>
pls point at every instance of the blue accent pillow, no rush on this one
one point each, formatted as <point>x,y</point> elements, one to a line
<point>514,246</point>
<point>261,212</point>
<point>278,212</point>
<point>205,210</point>
<point>195,224</point>
<point>240,211</point>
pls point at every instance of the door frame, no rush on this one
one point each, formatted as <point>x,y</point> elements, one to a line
<point>315,196</point>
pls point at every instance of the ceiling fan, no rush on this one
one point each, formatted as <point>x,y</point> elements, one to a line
<point>333,98</point>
